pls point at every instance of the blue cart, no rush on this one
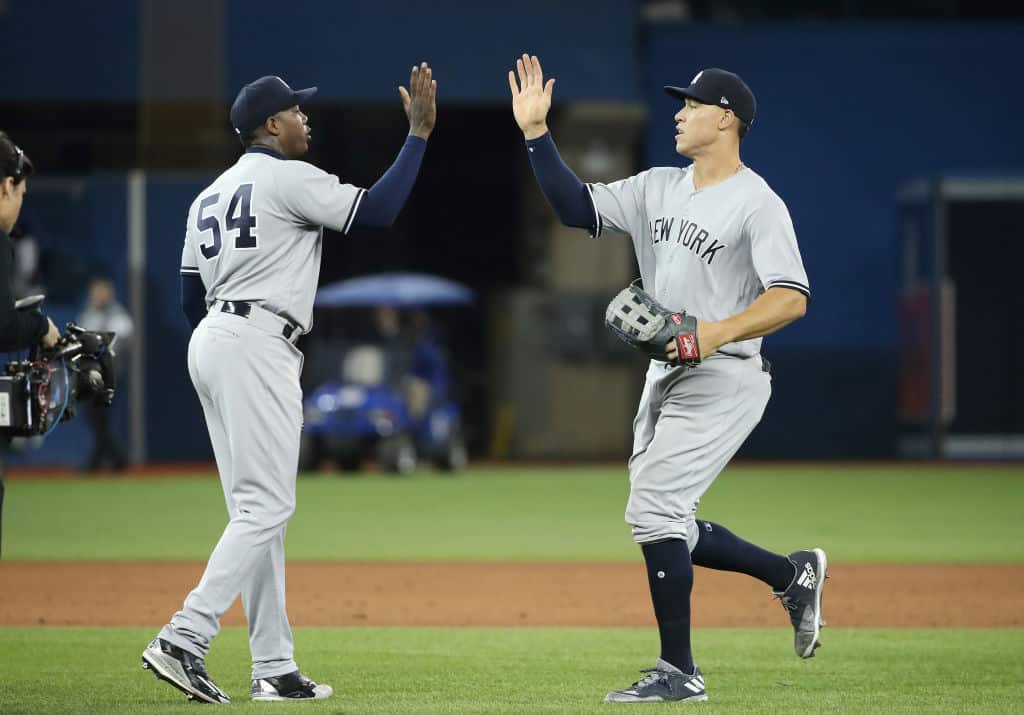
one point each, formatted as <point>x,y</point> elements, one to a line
<point>371,414</point>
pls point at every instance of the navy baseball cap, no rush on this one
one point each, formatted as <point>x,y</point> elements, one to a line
<point>262,99</point>
<point>13,161</point>
<point>725,89</point>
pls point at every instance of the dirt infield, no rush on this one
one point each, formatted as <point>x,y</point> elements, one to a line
<point>446,594</point>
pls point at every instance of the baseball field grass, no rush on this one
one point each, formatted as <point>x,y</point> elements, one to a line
<point>864,514</point>
<point>527,670</point>
<point>870,514</point>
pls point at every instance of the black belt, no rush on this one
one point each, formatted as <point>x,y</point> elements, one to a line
<point>236,307</point>
<point>243,308</point>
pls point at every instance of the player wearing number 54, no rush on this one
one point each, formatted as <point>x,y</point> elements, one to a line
<point>249,272</point>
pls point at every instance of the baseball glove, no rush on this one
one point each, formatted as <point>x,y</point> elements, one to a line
<point>643,323</point>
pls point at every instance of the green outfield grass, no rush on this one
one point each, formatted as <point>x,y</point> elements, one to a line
<point>427,670</point>
<point>860,514</point>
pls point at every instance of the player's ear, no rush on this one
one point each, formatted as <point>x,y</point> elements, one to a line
<point>7,186</point>
<point>272,126</point>
<point>726,120</point>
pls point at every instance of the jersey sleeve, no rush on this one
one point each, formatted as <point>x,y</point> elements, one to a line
<point>773,245</point>
<point>619,206</point>
<point>189,255</point>
<point>317,198</point>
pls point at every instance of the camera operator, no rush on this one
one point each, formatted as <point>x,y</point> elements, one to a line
<point>19,330</point>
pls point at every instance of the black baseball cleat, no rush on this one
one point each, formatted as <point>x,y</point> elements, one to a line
<point>663,683</point>
<point>290,686</point>
<point>183,670</point>
<point>802,599</point>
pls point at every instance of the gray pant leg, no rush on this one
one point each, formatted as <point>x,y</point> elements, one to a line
<point>647,415</point>
<point>270,635</point>
<point>253,402</point>
<point>696,421</point>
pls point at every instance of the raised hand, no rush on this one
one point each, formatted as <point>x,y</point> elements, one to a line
<point>531,97</point>
<point>420,102</point>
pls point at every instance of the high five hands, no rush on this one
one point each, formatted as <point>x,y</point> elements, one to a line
<point>420,101</point>
<point>531,97</point>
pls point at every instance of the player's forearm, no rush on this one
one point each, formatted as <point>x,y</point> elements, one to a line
<point>385,199</point>
<point>193,299</point>
<point>562,188</point>
<point>773,310</point>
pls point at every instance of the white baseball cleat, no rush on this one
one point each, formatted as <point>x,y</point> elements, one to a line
<point>290,686</point>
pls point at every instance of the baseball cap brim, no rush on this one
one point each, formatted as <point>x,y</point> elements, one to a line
<point>304,95</point>
<point>685,93</point>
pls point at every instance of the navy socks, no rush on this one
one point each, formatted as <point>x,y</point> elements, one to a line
<point>719,548</point>
<point>670,576</point>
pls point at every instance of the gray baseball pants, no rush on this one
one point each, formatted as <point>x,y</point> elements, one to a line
<point>688,426</point>
<point>247,377</point>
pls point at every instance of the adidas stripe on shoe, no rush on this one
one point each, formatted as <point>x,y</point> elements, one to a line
<point>802,599</point>
<point>663,683</point>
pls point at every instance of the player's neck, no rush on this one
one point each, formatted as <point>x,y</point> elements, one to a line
<point>715,167</point>
<point>269,143</point>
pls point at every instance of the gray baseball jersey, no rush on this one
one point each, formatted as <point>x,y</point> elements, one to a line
<point>710,252</point>
<point>255,233</point>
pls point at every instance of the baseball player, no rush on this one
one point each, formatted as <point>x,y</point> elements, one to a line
<point>712,238</point>
<point>249,272</point>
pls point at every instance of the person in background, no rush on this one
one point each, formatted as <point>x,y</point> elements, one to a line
<point>29,258</point>
<point>387,323</point>
<point>19,330</point>
<point>103,313</point>
<point>428,380</point>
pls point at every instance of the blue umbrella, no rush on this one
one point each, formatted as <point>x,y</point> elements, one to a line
<point>398,290</point>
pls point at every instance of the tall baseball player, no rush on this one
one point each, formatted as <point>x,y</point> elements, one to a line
<point>249,273</point>
<point>712,238</point>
